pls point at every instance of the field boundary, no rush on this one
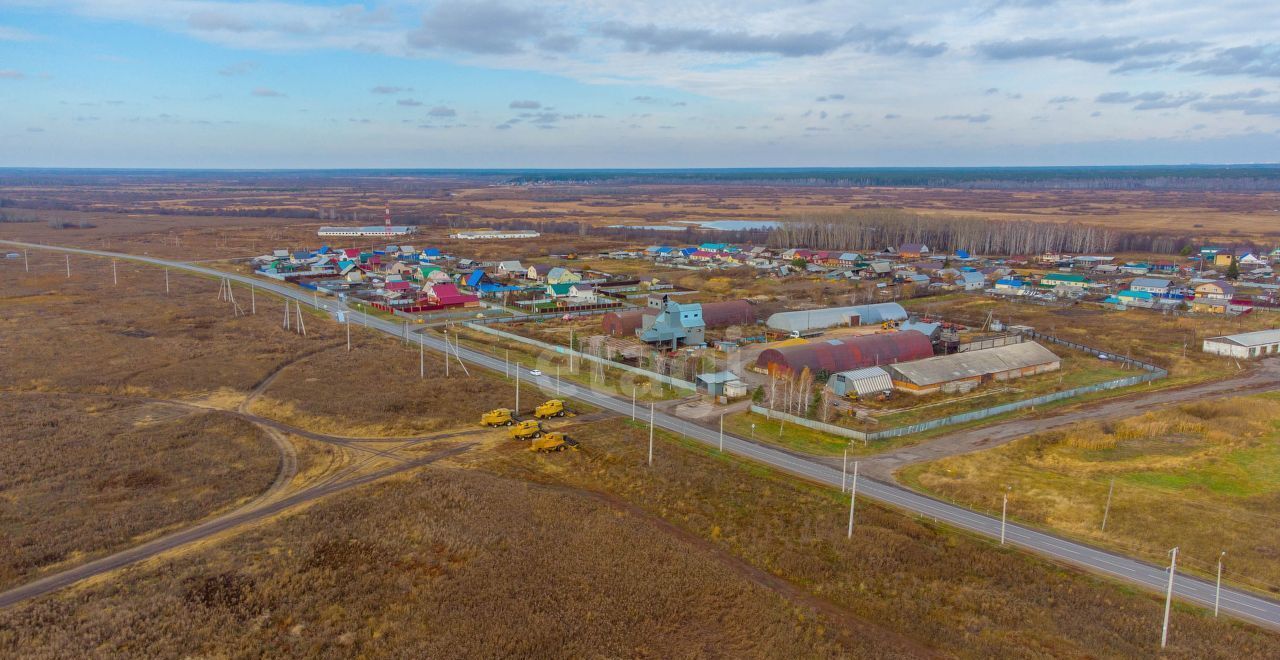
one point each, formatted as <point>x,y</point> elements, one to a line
<point>564,350</point>
<point>1150,372</point>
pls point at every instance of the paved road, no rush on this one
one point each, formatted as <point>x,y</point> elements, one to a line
<point>1240,604</point>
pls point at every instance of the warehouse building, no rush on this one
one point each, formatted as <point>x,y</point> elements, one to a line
<point>961,372</point>
<point>834,355</point>
<point>625,323</point>
<point>1245,345</point>
<point>830,317</point>
<point>861,382</point>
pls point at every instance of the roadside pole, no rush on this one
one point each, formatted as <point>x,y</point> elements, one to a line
<point>115,278</point>
<point>347,317</point>
<point>1168,597</point>
<point>633,402</point>
<point>517,383</point>
<point>557,381</point>
<point>26,265</point>
<point>166,284</point>
<point>1004,511</point>
<point>68,266</point>
<point>446,365</point>
<point>844,469</point>
<point>650,433</point>
<point>1107,511</point>
<point>721,433</point>
<point>422,359</point>
<point>1217,592</point>
<point>853,497</point>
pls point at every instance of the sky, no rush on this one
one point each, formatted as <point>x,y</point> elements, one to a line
<point>660,83</point>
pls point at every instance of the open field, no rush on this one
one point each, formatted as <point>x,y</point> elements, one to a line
<point>80,477</point>
<point>375,390</point>
<point>1200,476</point>
<point>929,583</point>
<point>86,334</point>
<point>463,565</point>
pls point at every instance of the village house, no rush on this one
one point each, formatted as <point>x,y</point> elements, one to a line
<point>1213,297</point>
<point>1152,285</point>
<point>913,250</point>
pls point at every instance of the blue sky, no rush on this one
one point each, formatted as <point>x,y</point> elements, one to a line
<point>695,83</point>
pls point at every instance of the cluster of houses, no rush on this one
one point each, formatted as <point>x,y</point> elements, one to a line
<point>408,279</point>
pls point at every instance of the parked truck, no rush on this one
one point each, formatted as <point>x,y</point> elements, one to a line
<point>498,417</point>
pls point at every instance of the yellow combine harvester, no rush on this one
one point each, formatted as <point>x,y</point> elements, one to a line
<point>552,408</point>
<point>553,441</point>
<point>498,417</point>
<point>528,429</point>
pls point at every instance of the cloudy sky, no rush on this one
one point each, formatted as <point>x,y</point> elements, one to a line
<point>660,83</point>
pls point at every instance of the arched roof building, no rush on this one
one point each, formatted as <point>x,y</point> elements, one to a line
<point>833,355</point>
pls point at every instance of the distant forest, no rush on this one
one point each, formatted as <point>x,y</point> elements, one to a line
<point>878,229</point>
<point>1206,178</point>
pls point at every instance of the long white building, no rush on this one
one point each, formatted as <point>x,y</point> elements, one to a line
<point>474,234</point>
<point>1245,345</point>
<point>372,230</point>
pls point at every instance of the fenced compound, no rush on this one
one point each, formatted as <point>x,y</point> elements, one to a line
<point>1149,373</point>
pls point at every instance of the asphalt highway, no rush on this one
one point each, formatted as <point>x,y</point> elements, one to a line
<point>1243,605</point>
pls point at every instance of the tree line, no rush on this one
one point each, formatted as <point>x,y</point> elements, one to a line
<point>876,229</point>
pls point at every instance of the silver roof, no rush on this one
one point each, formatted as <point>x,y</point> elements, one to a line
<point>946,368</point>
<point>815,319</point>
<point>1256,338</point>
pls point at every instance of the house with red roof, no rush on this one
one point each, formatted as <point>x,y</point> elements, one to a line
<point>449,296</point>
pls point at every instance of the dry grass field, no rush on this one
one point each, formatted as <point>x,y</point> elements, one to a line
<point>375,390</point>
<point>86,334</point>
<point>463,564</point>
<point>82,476</point>
<point>1202,476</point>
<point>943,588</point>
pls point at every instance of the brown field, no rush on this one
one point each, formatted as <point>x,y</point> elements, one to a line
<point>1202,476</point>
<point>81,476</point>
<point>85,334</point>
<point>375,390</point>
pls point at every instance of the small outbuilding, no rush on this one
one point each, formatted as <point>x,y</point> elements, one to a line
<point>861,382</point>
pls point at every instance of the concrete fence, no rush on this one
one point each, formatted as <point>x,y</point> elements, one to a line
<point>564,350</point>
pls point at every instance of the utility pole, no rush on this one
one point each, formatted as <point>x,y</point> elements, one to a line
<point>1107,511</point>
<point>347,317</point>
<point>115,278</point>
<point>285,324</point>
<point>506,364</point>
<point>26,265</point>
<point>721,433</point>
<point>517,385</point>
<point>633,402</point>
<point>557,381</point>
<point>1217,592</point>
<point>853,497</point>
<point>422,359</point>
<point>651,433</point>
<point>1004,514</point>
<point>1168,597</point>
<point>446,365</point>
<point>68,266</point>
<point>166,283</point>
<point>844,469</point>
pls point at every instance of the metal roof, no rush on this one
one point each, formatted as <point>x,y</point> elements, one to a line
<point>845,354</point>
<point>866,381</point>
<point>972,364</point>
<point>815,319</point>
<point>1151,282</point>
<point>1256,338</point>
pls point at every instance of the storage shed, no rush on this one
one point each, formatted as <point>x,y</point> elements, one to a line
<point>726,313</point>
<point>861,382</point>
<point>961,372</point>
<point>834,355</point>
<point>817,319</point>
